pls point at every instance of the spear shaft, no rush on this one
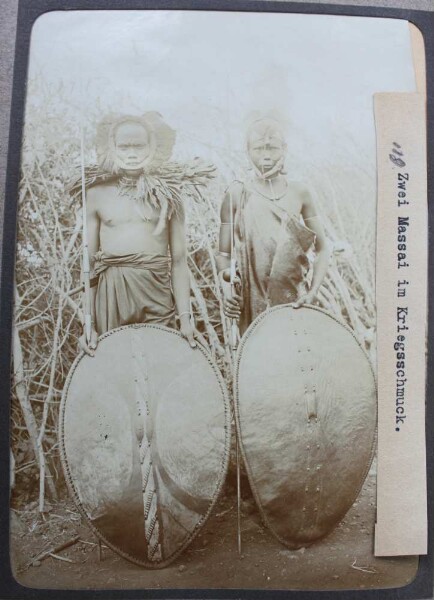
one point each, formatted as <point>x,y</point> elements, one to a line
<point>234,343</point>
<point>85,253</point>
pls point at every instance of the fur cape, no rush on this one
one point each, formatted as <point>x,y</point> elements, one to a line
<point>165,189</point>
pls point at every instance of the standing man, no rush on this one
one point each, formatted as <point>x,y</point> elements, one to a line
<point>270,241</point>
<point>135,224</point>
<point>138,260</point>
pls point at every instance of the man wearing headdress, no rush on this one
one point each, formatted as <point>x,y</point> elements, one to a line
<point>135,224</point>
<point>271,224</point>
<point>137,244</point>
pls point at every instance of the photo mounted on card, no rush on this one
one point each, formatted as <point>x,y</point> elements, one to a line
<point>218,350</point>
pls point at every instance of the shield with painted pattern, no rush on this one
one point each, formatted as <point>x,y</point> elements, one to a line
<point>145,436</point>
<point>306,412</point>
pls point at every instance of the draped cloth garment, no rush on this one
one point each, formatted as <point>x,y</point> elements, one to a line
<point>271,247</point>
<point>133,288</point>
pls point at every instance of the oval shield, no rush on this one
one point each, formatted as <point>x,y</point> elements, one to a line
<point>306,414</point>
<point>145,436</point>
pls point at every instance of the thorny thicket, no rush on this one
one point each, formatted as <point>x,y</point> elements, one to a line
<point>48,314</point>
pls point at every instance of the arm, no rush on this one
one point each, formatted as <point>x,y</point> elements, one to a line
<point>93,224</point>
<point>181,276</point>
<point>322,252</point>
<point>223,258</point>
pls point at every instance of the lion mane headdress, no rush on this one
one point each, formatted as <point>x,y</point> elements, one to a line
<point>162,184</point>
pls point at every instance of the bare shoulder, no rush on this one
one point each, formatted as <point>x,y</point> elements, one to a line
<point>233,194</point>
<point>301,188</point>
<point>96,194</point>
<point>235,187</point>
<point>303,191</point>
<point>178,214</point>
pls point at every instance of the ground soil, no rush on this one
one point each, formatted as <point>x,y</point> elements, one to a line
<point>342,560</point>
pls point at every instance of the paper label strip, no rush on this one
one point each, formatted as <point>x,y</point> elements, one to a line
<point>401,295</point>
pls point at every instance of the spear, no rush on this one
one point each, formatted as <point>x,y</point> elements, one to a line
<point>234,336</point>
<point>234,343</point>
<point>86,262</point>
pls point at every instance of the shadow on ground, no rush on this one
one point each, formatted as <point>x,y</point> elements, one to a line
<point>342,560</point>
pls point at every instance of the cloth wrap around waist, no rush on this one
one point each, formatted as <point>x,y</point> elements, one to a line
<point>132,288</point>
<point>272,248</point>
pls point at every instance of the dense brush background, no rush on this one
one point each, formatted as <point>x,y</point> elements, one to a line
<point>48,313</point>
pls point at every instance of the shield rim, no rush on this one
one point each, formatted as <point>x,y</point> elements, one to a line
<point>223,469</point>
<point>252,484</point>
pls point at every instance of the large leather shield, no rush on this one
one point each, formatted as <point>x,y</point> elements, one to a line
<point>145,436</point>
<point>306,412</point>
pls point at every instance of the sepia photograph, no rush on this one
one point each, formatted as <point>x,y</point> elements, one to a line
<point>194,368</point>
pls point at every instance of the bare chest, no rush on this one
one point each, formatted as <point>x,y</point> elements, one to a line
<point>291,204</point>
<point>288,202</point>
<point>118,209</point>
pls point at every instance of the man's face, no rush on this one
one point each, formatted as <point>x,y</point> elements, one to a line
<point>265,152</point>
<point>132,146</point>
